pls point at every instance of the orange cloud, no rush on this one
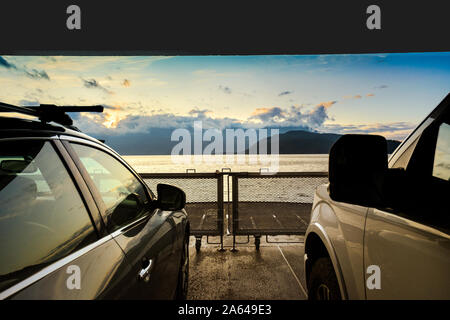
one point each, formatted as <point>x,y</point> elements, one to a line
<point>370,94</point>
<point>113,116</point>
<point>126,83</point>
<point>327,104</point>
<point>259,111</point>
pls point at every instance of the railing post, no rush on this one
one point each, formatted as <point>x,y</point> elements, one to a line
<point>220,208</point>
<point>235,213</point>
<point>227,171</point>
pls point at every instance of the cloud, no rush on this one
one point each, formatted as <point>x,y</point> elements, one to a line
<point>6,64</point>
<point>33,73</point>
<point>265,114</point>
<point>92,83</point>
<point>105,106</point>
<point>284,93</point>
<point>50,58</point>
<point>126,83</point>
<point>291,117</point>
<point>327,104</point>
<point>116,121</point>
<point>358,96</point>
<point>317,116</point>
<point>383,86</point>
<point>393,130</point>
<point>28,103</point>
<point>36,74</point>
<point>118,124</point>
<point>226,90</point>
<point>199,113</point>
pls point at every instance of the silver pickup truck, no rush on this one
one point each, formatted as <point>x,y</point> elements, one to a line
<point>381,228</point>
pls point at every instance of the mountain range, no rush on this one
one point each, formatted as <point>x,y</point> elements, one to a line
<point>158,142</point>
<point>307,142</point>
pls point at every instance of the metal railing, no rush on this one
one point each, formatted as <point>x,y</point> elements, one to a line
<point>256,203</point>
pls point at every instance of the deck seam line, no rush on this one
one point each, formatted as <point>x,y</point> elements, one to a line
<point>293,273</point>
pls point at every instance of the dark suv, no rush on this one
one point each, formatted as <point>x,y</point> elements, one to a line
<point>77,222</point>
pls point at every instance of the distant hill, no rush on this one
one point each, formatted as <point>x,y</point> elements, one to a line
<point>307,142</point>
<point>157,142</point>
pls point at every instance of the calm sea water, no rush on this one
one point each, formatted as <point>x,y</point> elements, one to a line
<point>287,163</point>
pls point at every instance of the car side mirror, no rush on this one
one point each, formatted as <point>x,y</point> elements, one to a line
<point>128,209</point>
<point>357,168</point>
<point>170,198</point>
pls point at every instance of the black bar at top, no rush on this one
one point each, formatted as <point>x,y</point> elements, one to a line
<point>222,27</point>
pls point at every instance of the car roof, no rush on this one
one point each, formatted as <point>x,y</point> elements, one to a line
<point>11,127</point>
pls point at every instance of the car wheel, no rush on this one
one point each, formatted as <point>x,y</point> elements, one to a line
<point>183,273</point>
<point>323,284</point>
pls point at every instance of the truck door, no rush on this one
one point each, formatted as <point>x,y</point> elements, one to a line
<point>411,243</point>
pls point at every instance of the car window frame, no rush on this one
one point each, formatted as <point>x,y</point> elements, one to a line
<point>67,141</point>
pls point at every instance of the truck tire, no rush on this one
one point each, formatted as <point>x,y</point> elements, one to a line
<point>323,284</point>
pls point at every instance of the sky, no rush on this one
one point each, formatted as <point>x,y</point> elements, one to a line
<point>387,94</point>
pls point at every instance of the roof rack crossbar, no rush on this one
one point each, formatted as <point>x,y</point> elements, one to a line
<point>4,107</point>
<point>50,112</point>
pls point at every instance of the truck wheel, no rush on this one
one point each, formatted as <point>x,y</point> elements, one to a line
<point>323,284</point>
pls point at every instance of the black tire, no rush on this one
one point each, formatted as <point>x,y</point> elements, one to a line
<point>323,284</point>
<point>183,273</point>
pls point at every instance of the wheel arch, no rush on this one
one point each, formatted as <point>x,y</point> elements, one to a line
<point>317,245</point>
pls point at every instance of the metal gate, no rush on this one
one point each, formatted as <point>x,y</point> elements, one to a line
<point>204,200</point>
<point>277,204</point>
<point>256,204</point>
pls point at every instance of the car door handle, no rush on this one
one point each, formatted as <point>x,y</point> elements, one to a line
<point>144,274</point>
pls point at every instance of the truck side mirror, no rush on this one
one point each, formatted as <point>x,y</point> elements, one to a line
<point>357,167</point>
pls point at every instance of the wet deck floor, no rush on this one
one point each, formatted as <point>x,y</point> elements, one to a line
<point>274,272</point>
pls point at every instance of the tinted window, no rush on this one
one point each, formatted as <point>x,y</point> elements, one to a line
<point>118,187</point>
<point>421,191</point>
<point>441,164</point>
<point>42,216</point>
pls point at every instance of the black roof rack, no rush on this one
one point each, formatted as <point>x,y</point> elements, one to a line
<point>50,112</point>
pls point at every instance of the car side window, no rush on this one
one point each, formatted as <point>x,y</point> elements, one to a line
<point>124,195</point>
<point>441,163</point>
<point>42,215</point>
